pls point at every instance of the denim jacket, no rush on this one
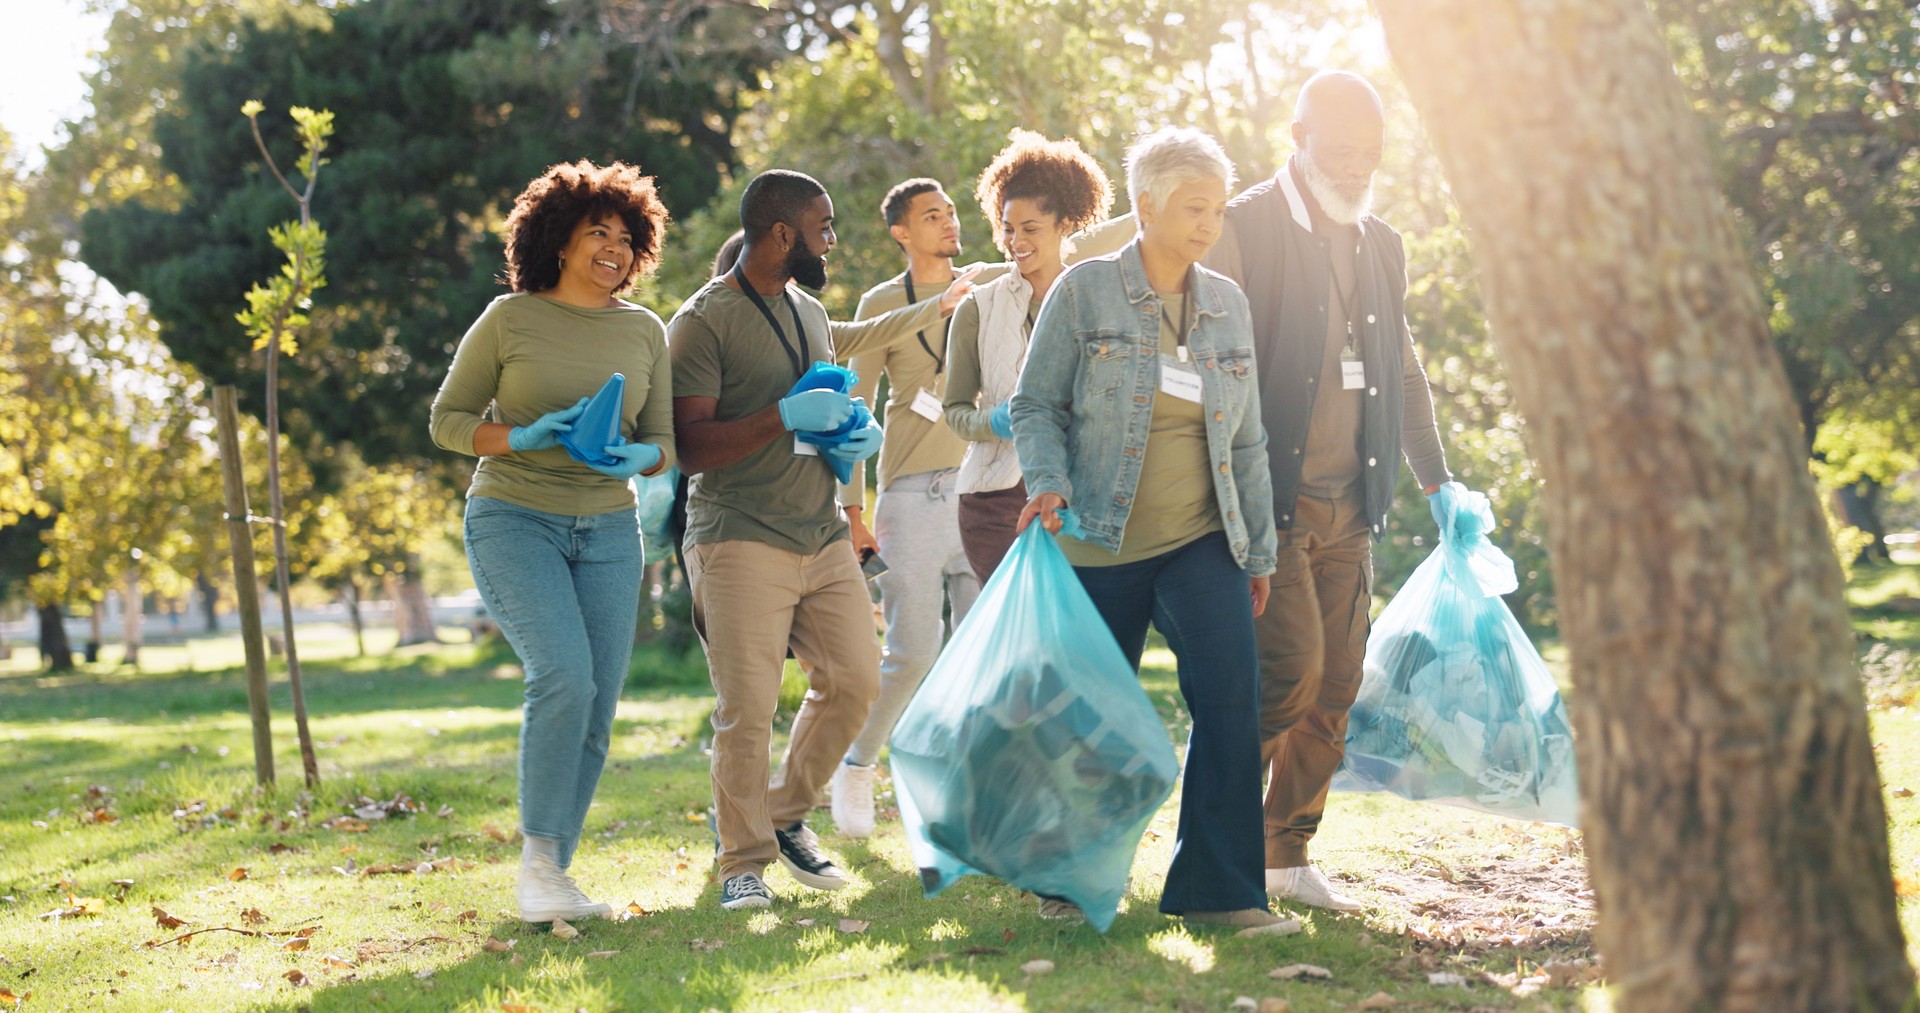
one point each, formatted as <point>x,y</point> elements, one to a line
<point>1085,403</point>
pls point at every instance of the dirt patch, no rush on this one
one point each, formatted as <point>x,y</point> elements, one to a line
<point>1524,888</point>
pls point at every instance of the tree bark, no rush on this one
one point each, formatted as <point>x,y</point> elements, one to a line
<point>1732,809</point>
<point>412,612</point>
<point>132,617</point>
<point>55,650</point>
<point>352,596</point>
<point>210,601</point>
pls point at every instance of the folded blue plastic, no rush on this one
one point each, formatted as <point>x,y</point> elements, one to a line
<point>598,426</point>
<point>1455,705</point>
<point>1031,753</point>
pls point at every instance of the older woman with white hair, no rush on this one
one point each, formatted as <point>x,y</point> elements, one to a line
<point>1138,406</point>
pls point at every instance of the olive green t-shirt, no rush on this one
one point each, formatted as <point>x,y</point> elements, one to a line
<point>528,355</point>
<point>1175,501</point>
<point>723,348</point>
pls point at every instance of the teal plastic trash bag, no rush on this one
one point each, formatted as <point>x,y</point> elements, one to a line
<point>653,496</point>
<point>1455,705</point>
<point>598,426</point>
<point>1031,753</point>
<point>831,377</point>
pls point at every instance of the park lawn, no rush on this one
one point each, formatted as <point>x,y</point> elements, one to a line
<point>128,794</point>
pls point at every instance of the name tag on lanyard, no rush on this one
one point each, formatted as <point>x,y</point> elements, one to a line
<point>926,405</point>
<point>1176,381</point>
<point>1353,371</point>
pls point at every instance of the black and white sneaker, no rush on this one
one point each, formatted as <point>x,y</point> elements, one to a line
<point>744,890</point>
<point>800,853</point>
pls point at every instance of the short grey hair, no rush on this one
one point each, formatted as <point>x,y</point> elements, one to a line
<point>1170,157</point>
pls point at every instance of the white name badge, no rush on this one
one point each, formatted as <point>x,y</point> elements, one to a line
<point>1353,374</point>
<point>926,405</point>
<point>1181,383</point>
<point>801,448</point>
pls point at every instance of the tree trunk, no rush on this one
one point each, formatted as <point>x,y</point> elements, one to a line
<point>132,617</point>
<point>96,630</point>
<point>1859,506</point>
<point>210,601</point>
<point>352,596</point>
<point>412,612</point>
<point>1732,809</point>
<point>55,651</point>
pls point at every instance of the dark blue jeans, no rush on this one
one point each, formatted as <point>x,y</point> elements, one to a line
<point>1200,601</point>
<point>566,592</point>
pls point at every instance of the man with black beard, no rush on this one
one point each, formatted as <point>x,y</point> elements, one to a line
<point>1342,396</point>
<point>764,547</point>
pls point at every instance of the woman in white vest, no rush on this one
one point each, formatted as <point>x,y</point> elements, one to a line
<point>1035,194</point>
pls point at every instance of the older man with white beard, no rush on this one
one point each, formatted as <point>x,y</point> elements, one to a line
<point>1342,393</point>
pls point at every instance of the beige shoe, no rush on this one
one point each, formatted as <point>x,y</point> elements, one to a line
<point>1245,918</point>
<point>1305,884</point>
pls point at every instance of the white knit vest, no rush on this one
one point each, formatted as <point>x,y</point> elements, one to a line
<point>992,465</point>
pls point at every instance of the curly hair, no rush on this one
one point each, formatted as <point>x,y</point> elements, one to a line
<point>1066,181</point>
<point>546,212</point>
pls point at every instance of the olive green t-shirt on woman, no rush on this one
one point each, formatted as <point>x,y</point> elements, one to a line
<point>528,355</point>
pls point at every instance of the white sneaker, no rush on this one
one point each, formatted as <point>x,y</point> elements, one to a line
<point>546,892</point>
<point>1305,884</point>
<point>853,800</point>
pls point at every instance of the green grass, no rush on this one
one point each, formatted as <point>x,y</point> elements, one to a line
<point>167,755</point>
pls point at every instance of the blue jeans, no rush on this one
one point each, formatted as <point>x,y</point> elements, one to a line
<point>566,592</point>
<point>1199,599</point>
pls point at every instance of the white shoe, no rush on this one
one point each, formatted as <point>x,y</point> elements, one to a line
<point>546,892</point>
<point>853,800</point>
<point>1305,884</point>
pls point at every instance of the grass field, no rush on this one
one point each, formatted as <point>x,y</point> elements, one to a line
<point>130,801</point>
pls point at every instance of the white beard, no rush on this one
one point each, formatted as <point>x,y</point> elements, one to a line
<point>1344,200</point>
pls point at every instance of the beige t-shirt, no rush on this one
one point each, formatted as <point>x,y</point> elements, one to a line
<point>723,348</point>
<point>528,355</point>
<point>1175,501</point>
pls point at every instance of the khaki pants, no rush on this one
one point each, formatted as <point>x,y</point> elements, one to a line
<point>1311,641</point>
<point>751,602</point>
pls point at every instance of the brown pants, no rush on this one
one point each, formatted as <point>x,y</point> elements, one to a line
<point>1311,641</point>
<point>751,602</point>
<point>987,523</point>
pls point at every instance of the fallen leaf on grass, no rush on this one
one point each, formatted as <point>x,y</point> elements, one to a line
<point>514,1007</point>
<point>1903,793</point>
<point>296,976</point>
<point>165,920</point>
<point>77,907</point>
<point>603,954</point>
<point>296,944</point>
<point>706,945</point>
<point>493,830</point>
<point>280,848</point>
<point>1006,935</point>
<point>1445,978</point>
<point>1037,967</point>
<point>1245,1002</point>
<point>497,945</point>
<point>1273,1004</point>
<point>7,995</point>
<point>346,824</point>
<point>1378,1000</point>
<point>471,914</point>
<point>445,813</point>
<point>853,925</point>
<point>251,916</point>
<point>121,886</point>
<point>1292,971</point>
<point>1283,927</point>
<point>348,869</point>
<point>337,961</point>
<point>237,875</point>
<point>1904,887</point>
<point>631,911</point>
<point>564,932</point>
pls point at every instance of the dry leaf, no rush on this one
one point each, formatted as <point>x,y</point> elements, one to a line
<point>1905,887</point>
<point>493,830</point>
<point>696,817</point>
<point>467,915</point>
<point>852,925</point>
<point>805,923</point>
<point>296,944</point>
<point>1903,793</point>
<point>165,920</point>
<point>631,911</point>
<point>340,962</point>
<point>1245,1002</point>
<point>1378,1000</point>
<point>514,1007</point>
<point>446,812</point>
<point>1037,967</point>
<point>346,824</point>
<point>1292,971</point>
<point>77,907</point>
<point>1445,978</point>
<point>251,916</point>
<point>1006,935</point>
<point>295,976</point>
<point>121,886</point>
<point>603,954</point>
<point>1272,1004</point>
<point>494,945</point>
<point>706,945</point>
<point>563,931</point>
<point>1283,927</point>
<point>7,995</point>
<point>238,874</point>
<point>280,848</point>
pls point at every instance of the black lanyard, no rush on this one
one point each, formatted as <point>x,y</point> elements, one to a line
<point>1346,302</point>
<point>799,357</point>
<point>1186,318</point>
<point>939,363</point>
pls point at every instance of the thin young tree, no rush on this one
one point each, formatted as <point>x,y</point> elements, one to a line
<point>1731,804</point>
<point>274,317</point>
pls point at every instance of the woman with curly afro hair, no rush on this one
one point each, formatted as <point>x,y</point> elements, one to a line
<point>1035,194</point>
<point>551,532</point>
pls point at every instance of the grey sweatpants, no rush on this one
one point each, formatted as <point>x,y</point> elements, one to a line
<point>917,523</point>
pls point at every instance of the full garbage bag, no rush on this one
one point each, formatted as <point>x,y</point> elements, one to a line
<point>1455,705</point>
<point>831,377</point>
<point>1031,753</point>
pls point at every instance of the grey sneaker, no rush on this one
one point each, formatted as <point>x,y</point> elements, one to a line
<point>743,891</point>
<point>1060,909</point>
<point>800,853</point>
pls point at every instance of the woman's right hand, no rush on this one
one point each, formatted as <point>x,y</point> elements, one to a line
<point>1047,507</point>
<point>544,432</point>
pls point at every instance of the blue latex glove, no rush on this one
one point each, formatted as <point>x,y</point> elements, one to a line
<point>1002,420</point>
<point>815,411</point>
<point>858,446</point>
<point>544,432</point>
<point>634,458</point>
